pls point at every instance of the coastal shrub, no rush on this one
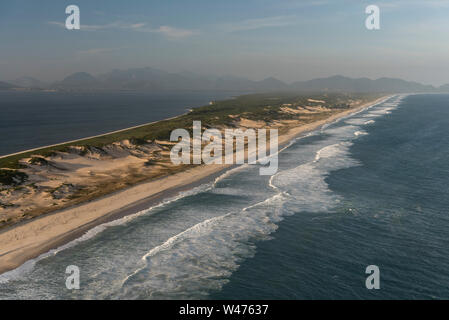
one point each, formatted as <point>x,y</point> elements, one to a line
<point>84,150</point>
<point>137,141</point>
<point>12,177</point>
<point>38,161</point>
<point>52,153</point>
<point>149,162</point>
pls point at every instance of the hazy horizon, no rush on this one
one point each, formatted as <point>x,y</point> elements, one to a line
<point>291,41</point>
<point>213,75</point>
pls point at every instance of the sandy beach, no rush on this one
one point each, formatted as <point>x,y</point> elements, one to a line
<point>30,239</point>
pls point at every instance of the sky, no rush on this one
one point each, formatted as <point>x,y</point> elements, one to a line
<point>291,40</point>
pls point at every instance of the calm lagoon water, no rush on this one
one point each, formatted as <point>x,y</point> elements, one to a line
<point>34,119</point>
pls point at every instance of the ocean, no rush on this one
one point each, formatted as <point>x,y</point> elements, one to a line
<point>35,119</point>
<point>369,189</point>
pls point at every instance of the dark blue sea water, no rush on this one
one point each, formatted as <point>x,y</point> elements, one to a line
<point>371,189</point>
<point>393,213</point>
<point>34,119</point>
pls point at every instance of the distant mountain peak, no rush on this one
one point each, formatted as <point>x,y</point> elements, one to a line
<point>79,80</point>
<point>29,82</point>
<point>149,79</point>
<point>271,83</point>
<point>80,75</point>
<point>342,83</point>
<point>271,79</point>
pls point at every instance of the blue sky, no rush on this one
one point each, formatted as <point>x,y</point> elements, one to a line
<point>291,40</point>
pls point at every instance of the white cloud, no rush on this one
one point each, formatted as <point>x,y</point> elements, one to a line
<point>95,51</point>
<point>56,23</point>
<point>168,31</point>
<point>137,25</point>
<point>113,25</point>
<point>172,32</point>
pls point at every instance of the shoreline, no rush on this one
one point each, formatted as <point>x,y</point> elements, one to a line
<point>98,135</point>
<point>31,239</point>
<point>87,138</point>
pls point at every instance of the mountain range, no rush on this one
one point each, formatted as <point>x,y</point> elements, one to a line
<point>154,80</point>
<point>28,82</point>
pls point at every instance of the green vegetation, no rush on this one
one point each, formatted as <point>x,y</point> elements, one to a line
<point>137,141</point>
<point>12,177</point>
<point>38,161</point>
<point>266,107</point>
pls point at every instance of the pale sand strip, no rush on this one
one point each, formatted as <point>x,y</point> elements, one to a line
<point>28,240</point>
<point>87,138</point>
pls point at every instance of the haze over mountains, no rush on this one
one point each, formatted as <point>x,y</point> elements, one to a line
<point>153,80</point>
<point>28,82</point>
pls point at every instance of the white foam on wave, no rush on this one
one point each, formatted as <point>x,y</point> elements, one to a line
<point>214,245</point>
<point>202,257</point>
<point>306,184</point>
<point>356,121</point>
<point>350,115</point>
<point>381,112</point>
<point>384,108</point>
<point>314,194</point>
<point>230,172</point>
<point>227,191</point>
<point>28,266</point>
<point>360,133</point>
